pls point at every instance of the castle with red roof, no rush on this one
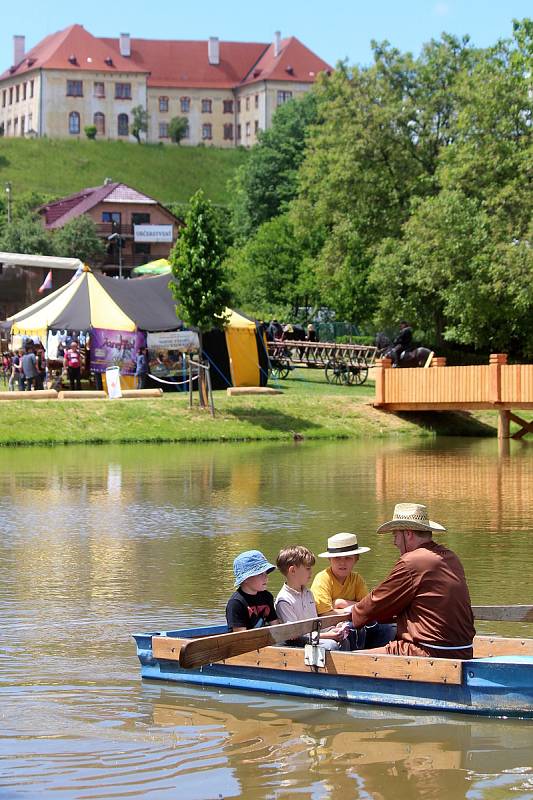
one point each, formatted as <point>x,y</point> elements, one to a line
<point>227,91</point>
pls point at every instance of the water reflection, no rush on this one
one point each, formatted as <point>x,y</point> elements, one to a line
<point>99,542</point>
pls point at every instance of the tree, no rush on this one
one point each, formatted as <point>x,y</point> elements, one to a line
<point>267,182</point>
<point>139,123</point>
<point>491,155</point>
<point>27,235</point>
<point>90,131</point>
<point>177,128</point>
<point>79,239</point>
<point>266,270</point>
<point>199,283</point>
<point>375,147</point>
<point>439,275</point>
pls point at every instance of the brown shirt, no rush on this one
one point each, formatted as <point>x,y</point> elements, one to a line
<point>426,590</point>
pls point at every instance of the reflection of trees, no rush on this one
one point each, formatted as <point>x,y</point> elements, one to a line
<point>171,518</point>
<point>484,501</point>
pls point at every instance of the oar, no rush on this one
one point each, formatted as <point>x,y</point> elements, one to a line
<point>504,613</point>
<point>208,649</point>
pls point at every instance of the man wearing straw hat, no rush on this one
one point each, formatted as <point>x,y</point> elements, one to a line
<point>426,592</point>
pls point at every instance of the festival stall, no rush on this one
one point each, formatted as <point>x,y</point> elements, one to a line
<point>120,316</point>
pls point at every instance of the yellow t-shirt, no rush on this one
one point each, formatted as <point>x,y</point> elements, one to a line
<point>326,589</point>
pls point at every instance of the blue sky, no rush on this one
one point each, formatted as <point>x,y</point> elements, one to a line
<point>334,29</point>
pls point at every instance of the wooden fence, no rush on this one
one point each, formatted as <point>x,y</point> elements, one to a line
<point>498,386</point>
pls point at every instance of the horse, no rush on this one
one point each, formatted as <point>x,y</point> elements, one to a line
<point>417,357</point>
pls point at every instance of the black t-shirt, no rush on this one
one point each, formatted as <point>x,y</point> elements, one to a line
<point>249,610</point>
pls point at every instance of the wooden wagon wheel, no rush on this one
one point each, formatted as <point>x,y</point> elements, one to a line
<point>359,374</point>
<point>337,372</point>
<point>279,368</point>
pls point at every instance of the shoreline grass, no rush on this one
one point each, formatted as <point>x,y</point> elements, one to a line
<point>309,408</point>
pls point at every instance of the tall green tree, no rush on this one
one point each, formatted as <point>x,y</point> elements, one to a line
<point>267,182</point>
<point>375,148</point>
<point>266,270</point>
<point>199,283</point>
<point>492,152</point>
<point>177,128</point>
<point>139,123</point>
<point>27,235</point>
<point>438,275</point>
<point>79,239</point>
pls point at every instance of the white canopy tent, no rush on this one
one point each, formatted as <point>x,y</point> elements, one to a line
<point>45,262</point>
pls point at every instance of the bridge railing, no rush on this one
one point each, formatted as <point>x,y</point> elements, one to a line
<point>498,385</point>
<point>440,387</point>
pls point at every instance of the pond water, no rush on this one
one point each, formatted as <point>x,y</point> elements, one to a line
<point>99,542</point>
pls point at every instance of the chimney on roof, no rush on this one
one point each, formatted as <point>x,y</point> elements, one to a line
<point>125,45</point>
<point>213,50</point>
<point>277,43</point>
<point>19,46</point>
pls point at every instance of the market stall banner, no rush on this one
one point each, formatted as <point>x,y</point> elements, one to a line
<point>115,349</point>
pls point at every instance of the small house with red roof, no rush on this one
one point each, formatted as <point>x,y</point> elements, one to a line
<point>135,228</point>
<point>227,91</point>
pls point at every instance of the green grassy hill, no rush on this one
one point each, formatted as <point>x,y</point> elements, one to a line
<point>168,173</point>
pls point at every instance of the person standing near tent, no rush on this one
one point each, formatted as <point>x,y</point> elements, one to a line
<point>72,362</point>
<point>141,367</point>
<point>29,368</point>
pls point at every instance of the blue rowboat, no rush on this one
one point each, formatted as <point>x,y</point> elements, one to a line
<point>498,681</point>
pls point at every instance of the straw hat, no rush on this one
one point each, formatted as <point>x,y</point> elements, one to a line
<point>410,516</point>
<point>343,544</point>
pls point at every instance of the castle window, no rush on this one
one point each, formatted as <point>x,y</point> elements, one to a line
<point>74,122</point>
<point>123,125</point>
<point>99,123</point>
<point>74,88</point>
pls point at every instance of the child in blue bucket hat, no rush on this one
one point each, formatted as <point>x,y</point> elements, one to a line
<point>251,606</point>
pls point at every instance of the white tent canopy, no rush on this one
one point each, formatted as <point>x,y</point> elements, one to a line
<point>45,262</point>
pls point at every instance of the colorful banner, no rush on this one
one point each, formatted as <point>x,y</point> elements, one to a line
<point>115,349</point>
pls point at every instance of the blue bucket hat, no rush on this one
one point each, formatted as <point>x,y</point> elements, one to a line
<point>250,563</point>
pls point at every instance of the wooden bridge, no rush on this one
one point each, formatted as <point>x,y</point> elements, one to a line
<point>498,386</point>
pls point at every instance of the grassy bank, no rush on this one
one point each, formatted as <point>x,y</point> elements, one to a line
<point>169,173</point>
<point>309,408</point>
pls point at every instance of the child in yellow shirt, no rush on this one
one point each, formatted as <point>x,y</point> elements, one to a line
<point>337,588</point>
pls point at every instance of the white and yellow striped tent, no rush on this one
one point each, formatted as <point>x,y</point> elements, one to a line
<point>237,354</point>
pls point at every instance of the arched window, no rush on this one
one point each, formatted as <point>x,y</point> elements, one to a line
<point>99,123</point>
<point>123,125</point>
<point>73,122</point>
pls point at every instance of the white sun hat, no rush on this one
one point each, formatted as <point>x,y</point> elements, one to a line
<point>410,516</point>
<point>343,544</point>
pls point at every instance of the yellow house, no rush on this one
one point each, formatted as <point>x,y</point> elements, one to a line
<point>227,91</point>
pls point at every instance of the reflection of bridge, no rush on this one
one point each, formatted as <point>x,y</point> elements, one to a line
<point>498,386</point>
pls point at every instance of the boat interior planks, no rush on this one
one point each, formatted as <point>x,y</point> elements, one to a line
<point>488,646</point>
<point>360,664</point>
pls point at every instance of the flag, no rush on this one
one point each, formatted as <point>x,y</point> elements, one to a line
<point>77,274</point>
<point>46,284</point>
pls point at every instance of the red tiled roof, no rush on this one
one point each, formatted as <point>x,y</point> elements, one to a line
<point>61,211</point>
<point>295,62</point>
<point>173,63</point>
<point>185,63</point>
<point>90,53</point>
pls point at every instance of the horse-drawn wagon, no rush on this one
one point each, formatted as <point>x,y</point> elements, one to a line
<point>342,363</point>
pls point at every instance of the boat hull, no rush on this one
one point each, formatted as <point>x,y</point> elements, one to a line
<point>493,686</point>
